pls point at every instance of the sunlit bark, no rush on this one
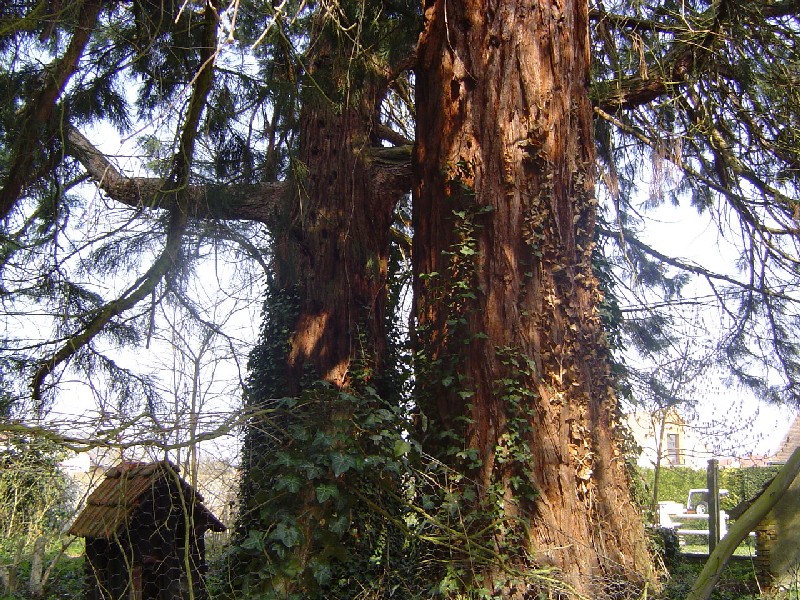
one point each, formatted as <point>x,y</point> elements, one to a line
<point>504,203</point>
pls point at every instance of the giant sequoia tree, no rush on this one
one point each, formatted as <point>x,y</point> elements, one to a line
<point>504,211</point>
<point>297,117</point>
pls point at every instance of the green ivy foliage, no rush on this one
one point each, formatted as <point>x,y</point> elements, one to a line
<point>331,482</point>
<point>326,495</point>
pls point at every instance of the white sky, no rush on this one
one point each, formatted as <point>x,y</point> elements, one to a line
<point>737,421</point>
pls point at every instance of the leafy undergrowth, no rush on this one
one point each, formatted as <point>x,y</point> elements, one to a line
<point>66,581</point>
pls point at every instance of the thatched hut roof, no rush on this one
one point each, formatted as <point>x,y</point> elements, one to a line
<point>113,503</point>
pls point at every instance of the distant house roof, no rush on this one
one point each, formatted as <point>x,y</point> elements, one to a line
<point>113,502</point>
<point>790,442</point>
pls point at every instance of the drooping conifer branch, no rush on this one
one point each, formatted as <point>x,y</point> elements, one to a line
<point>630,239</point>
<point>782,224</point>
<point>176,186</point>
<point>39,110</point>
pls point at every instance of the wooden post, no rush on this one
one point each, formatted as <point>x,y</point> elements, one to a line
<point>712,478</point>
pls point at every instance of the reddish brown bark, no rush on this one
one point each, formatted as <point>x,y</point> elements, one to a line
<point>330,257</point>
<point>335,249</point>
<point>504,131</point>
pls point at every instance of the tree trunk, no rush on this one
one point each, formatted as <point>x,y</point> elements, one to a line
<point>662,422</point>
<point>322,349</point>
<point>35,581</point>
<point>8,579</point>
<point>514,368</point>
<point>334,253</point>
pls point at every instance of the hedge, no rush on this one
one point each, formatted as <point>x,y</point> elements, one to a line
<point>741,483</point>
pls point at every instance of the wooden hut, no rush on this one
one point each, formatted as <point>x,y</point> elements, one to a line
<point>144,528</point>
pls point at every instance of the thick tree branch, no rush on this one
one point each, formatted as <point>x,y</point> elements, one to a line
<point>687,54</point>
<point>390,135</point>
<point>142,288</point>
<point>790,8</point>
<point>260,202</point>
<point>30,22</point>
<point>624,94</point>
<point>38,111</point>
<point>633,23</point>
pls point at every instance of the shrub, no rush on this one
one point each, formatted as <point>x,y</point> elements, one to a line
<point>666,545</point>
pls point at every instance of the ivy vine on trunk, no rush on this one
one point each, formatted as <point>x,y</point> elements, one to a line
<point>325,451</point>
<point>504,211</point>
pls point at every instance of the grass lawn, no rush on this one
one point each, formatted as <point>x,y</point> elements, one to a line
<point>700,546</point>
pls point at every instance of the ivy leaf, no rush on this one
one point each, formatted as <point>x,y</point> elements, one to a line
<point>385,414</point>
<point>322,440</point>
<point>290,483</point>
<point>401,447</point>
<point>254,541</point>
<point>341,463</point>
<point>321,572</point>
<point>326,491</point>
<point>286,534</point>
<point>339,525</point>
